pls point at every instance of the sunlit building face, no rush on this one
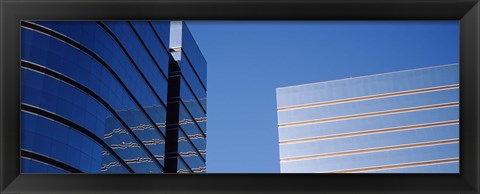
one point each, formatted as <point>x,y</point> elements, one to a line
<point>398,122</point>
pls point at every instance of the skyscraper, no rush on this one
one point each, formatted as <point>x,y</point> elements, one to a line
<point>398,122</point>
<point>187,105</point>
<point>95,95</point>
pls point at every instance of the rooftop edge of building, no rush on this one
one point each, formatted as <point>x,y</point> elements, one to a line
<point>363,76</point>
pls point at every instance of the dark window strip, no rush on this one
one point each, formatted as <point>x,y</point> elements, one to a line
<point>148,51</point>
<point>38,161</point>
<point>198,77</point>
<point>131,60</point>
<point>94,95</point>
<point>183,104</point>
<point>49,161</point>
<point>97,58</point>
<point>77,127</point>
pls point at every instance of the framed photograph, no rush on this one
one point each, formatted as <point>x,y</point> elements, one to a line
<point>302,96</point>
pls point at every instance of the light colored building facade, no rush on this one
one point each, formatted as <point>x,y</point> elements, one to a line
<point>398,122</point>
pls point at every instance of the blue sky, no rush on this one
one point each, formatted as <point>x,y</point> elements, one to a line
<point>247,60</point>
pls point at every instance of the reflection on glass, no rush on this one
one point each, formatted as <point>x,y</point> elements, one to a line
<point>94,98</point>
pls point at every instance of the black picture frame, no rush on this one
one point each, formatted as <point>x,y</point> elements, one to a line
<point>13,11</point>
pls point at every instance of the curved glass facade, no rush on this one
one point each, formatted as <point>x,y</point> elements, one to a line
<point>398,122</point>
<point>94,97</point>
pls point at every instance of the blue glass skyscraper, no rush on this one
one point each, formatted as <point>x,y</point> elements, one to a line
<point>398,122</point>
<point>95,96</point>
<point>187,103</point>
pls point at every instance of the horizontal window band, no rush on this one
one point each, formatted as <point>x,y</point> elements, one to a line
<point>194,70</point>
<point>394,166</point>
<point>153,142</point>
<point>189,121</point>
<point>371,114</point>
<point>138,160</point>
<point>127,145</point>
<point>368,132</point>
<point>192,117</point>
<point>66,122</point>
<point>204,109</point>
<point>194,136</point>
<point>370,97</point>
<point>365,76</point>
<point>63,78</point>
<point>192,144</point>
<point>194,94</point>
<point>105,167</point>
<point>200,169</point>
<point>158,36</point>
<point>179,157</point>
<point>75,44</point>
<point>38,161</point>
<point>147,50</point>
<point>189,154</point>
<point>369,150</point>
<point>49,161</point>
<point>125,52</point>
<point>195,122</point>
